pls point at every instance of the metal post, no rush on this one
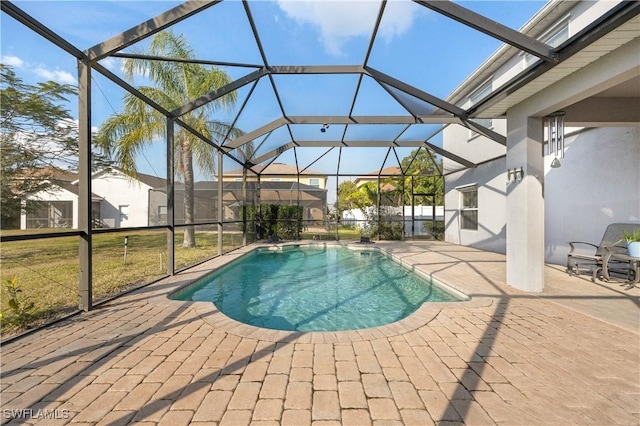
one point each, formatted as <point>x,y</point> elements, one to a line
<point>378,206</point>
<point>170,199</point>
<point>413,209</point>
<point>84,194</point>
<point>244,206</point>
<point>259,215</point>
<point>338,220</point>
<point>298,219</point>
<point>220,206</point>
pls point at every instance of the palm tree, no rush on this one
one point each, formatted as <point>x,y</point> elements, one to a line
<point>174,83</point>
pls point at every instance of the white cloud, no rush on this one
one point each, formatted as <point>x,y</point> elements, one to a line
<point>112,64</point>
<point>398,17</point>
<point>338,21</point>
<point>57,75</point>
<point>13,61</point>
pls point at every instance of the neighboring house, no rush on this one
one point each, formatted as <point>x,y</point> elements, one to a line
<point>383,174</point>
<point>311,198</point>
<point>54,207</point>
<point>279,172</point>
<point>118,201</point>
<point>489,208</point>
<point>125,199</point>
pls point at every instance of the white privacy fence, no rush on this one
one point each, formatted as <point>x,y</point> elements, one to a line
<point>422,217</point>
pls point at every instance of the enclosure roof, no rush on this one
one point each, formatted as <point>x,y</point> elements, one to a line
<point>342,88</point>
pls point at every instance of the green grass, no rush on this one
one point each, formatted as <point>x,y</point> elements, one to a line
<point>47,270</point>
<point>344,233</point>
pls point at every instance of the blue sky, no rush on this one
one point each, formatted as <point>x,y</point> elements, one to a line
<point>416,45</point>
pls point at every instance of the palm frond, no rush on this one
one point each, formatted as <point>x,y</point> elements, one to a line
<point>205,157</point>
<point>172,84</point>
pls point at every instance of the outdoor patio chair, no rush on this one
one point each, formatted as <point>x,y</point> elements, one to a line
<point>588,258</point>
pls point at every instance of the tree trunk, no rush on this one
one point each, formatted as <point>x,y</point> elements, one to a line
<point>189,214</point>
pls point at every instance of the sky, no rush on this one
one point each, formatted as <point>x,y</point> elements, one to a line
<point>415,45</point>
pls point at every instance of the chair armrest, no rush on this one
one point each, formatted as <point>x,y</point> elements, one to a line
<point>573,243</point>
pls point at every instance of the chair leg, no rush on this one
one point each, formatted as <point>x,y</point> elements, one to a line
<point>597,273</point>
<point>569,270</point>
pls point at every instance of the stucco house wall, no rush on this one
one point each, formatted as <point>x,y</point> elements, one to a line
<point>598,184</point>
<point>599,180</point>
<point>125,202</point>
<point>593,174</point>
<point>490,180</point>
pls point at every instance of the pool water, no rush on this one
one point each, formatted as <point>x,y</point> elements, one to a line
<point>315,288</point>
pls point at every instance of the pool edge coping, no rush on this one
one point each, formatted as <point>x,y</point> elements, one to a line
<point>426,313</point>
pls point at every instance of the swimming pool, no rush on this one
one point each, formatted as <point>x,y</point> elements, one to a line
<point>315,288</point>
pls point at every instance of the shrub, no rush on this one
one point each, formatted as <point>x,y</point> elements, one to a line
<point>21,310</point>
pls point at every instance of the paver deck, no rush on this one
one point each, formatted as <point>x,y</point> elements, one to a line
<point>568,355</point>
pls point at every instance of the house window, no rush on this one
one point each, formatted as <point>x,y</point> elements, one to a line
<point>476,96</point>
<point>124,212</point>
<point>275,179</point>
<point>554,37</point>
<point>314,182</point>
<point>469,208</point>
<point>49,214</point>
<point>237,179</point>
<point>162,213</point>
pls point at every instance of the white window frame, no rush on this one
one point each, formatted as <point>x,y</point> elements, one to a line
<point>549,37</point>
<point>465,209</point>
<point>481,92</point>
<point>312,180</point>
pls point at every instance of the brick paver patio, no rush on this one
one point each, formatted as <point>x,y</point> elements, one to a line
<point>570,355</point>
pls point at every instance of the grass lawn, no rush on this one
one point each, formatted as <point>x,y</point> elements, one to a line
<point>47,270</point>
<point>344,233</point>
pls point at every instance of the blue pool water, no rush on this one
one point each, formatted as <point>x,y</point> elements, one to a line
<point>315,288</point>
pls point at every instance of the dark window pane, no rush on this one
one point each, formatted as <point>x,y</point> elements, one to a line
<point>469,219</point>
